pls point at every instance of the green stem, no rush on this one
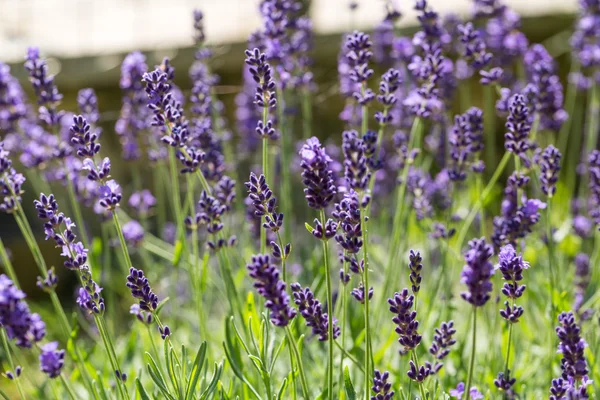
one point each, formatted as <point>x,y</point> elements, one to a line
<point>176,193</point>
<point>294,347</point>
<point>68,387</point>
<point>108,346</point>
<point>473,349</point>
<point>12,365</point>
<point>398,227</point>
<point>306,114</point>
<point>286,155</point>
<point>478,186</point>
<point>570,100</point>
<point>551,255</point>
<point>329,312</point>
<point>507,364</point>
<point>367,360</point>
<point>76,209</point>
<point>416,361</point>
<point>122,241</point>
<point>490,124</point>
<point>8,267</point>
<point>484,195</point>
<point>343,324</point>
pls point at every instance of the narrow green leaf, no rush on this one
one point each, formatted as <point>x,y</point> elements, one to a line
<point>350,392</point>
<point>282,389</point>
<point>162,304</point>
<point>196,370</point>
<point>4,395</point>
<point>309,228</point>
<point>212,386</point>
<point>177,252</point>
<point>157,377</point>
<point>141,391</point>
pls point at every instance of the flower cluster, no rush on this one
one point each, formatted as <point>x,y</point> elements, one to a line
<point>358,54</point>
<point>415,266</point>
<point>262,74</point>
<point>477,272</point>
<point>443,340</point>
<point>142,201</point>
<point>571,346</point>
<point>44,87</point>
<point>209,213</point>
<point>312,311</point>
<point>11,183</point>
<point>89,298</point>
<point>52,360</point>
<point>549,163</point>
<point>381,386</point>
<point>24,327</point>
<point>167,111</point>
<point>594,185</point>
<point>141,290</point>
<point>474,48</point>
<point>264,202</point>
<point>401,305</point>
<point>511,265</point>
<point>134,116</point>
<point>268,285</point>
<point>544,90</point>
<point>390,82</point>
<point>316,175</point>
<point>466,141</point>
<point>518,125</point>
<point>356,171</point>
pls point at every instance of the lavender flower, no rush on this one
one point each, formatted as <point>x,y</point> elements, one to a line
<point>316,175</point>
<point>466,141</point>
<point>51,359</point>
<point>89,298</point>
<point>142,201</point>
<point>421,373</point>
<point>268,285</point>
<point>133,232</point>
<point>358,54</point>
<point>443,341</point>
<point>568,389</point>
<point>594,185</point>
<point>359,293</point>
<point>312,312</point>
<point>209,213</point>
<point>518,125</point>
<point>458,393</point>
<point>545,88</point>
<point>511,266</point>
<point>415,265</point>
<point>143,316</point>
<point>347,213</point>
<point>49,283</point>
<point>571,346</point>
<point>74,252</point>
<point>474,48</point>
<point>141,290</point>
<point>477,272</point>
<point>12,100</point>
<point>44,87</point>
<point>401,305</point>
<point>504,382</point>
<point>13,375</point>
<point>20,324</point>
<point>262,75</point>
<point>168,112</point>
<point>390,82</point>
<point>582,279</point>
<point>381,387</point>
<point>134,116</point>
<point>84,138</point>
<point>88,105</point>
<point>549,163</point>
<point>355,162</point>
<point>264,202</point>
<point>11,183</point>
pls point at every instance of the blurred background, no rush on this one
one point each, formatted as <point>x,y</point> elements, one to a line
<point>85,42</point>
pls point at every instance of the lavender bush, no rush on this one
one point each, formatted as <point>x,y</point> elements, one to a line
<point>207,269</point>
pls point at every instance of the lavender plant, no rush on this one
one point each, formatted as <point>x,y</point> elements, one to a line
<point>159,250</point>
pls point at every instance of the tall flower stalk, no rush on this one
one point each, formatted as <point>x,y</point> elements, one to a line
<point>319,192</point>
